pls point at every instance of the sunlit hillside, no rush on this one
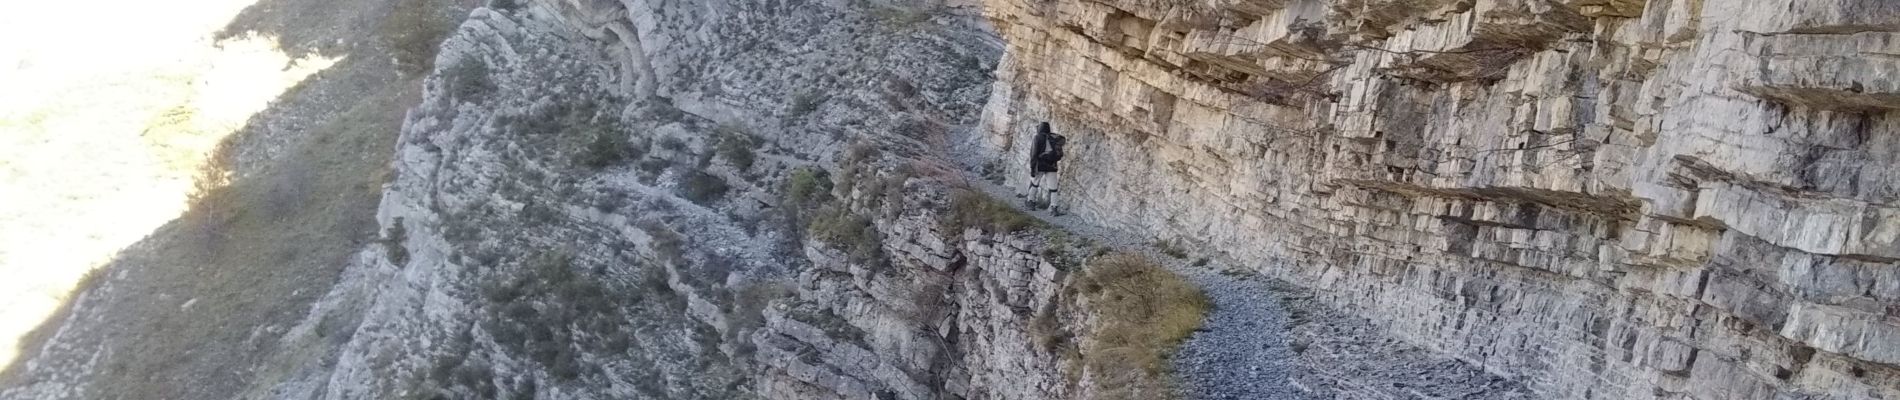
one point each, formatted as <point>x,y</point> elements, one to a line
<point>103,125</point>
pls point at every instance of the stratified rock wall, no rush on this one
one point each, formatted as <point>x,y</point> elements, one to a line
<point>1604,198</point>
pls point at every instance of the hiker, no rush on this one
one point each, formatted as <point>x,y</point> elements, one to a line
<point>1044,153</point>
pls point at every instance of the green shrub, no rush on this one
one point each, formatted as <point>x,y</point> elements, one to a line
<point>654,166</point>
<point>393,243</point>
<point>672,144</point>
<point>414,32</point>
<point>854,234</point>
<point>543,311</point>
<point>703,188</point>
<point>606,149</point>
<point>736,146</point>
<point>804,103</point>
<point>807,188</point>
<point>469,80</point>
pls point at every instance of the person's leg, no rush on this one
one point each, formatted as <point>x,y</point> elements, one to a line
<point>1035,187</point>
<point>1050,197</point>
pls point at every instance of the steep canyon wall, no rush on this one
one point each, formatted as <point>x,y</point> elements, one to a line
<point>1604,198</point>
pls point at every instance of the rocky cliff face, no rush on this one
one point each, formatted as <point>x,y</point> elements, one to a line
<point>737,199</point>
<point>1604,198</point>
<point>589,204</point>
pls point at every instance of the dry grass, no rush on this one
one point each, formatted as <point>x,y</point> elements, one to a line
<point>1142,313</point>
<point>973,209</point>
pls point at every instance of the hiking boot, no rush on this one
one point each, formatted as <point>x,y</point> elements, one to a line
<point>1056,211</point>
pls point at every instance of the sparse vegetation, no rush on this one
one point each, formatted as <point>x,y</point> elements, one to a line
<point>806,189</point>
<point>469,79</point>
<point>393,243</point>
<point>1143,313</point>
<point>834,325</point>
<point>414,31</point>
<point>552,313</point>
<point>804,103</point>
<point>736,146</point>
<point>609,149</point>
<point>973,209</point>
<point>903,17</point>
<point>703,188</point>
<point>580,132</point>
<point>672,144</point>
<point>748,309</point>
<point>666,243</point>
<point>852,233</point>
<point>993,172</point>
<point>1172,248</point>
<point>1059,251</point>
<point>651,168</point>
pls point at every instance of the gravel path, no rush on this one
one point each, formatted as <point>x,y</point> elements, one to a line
<point>1271,340</point>
<point>1241,350</point>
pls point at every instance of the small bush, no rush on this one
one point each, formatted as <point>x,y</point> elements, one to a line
<point>672,144</point>
<point>1172,248</point>
<point>748,311</point>
<point>703,188</point>
<point>973,209</point>
<point>993,172</point>
<point>414,32</point>
<point>805,192</point>
<point>804,103</point>
<point>543,311</point>
<point>654,166</point>
<point>607,149</point>
<point>1143,313</point>
<point>666,243</point>
<point>807,188</point>
<point>852,233</point>
<point>469,80</point>
<point>393,243</point>
<point>736,146</point>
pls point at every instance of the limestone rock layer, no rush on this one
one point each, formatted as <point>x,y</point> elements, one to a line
<point>1604,198</point>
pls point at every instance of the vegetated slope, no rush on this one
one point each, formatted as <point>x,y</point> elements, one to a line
<point>197,309</point>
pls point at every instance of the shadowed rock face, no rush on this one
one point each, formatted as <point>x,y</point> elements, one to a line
<point>1605,199</point>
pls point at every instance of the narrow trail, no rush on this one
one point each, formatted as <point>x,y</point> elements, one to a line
<point>1241,350</point>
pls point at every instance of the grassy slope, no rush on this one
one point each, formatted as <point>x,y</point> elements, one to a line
<point>251,254</point>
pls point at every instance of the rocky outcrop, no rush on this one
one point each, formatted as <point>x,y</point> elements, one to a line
<point>949,315</point>
<point>1606,199</point>
<point>587,204</point>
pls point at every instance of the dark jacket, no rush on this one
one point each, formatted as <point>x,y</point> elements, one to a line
<point>1046,151</point>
